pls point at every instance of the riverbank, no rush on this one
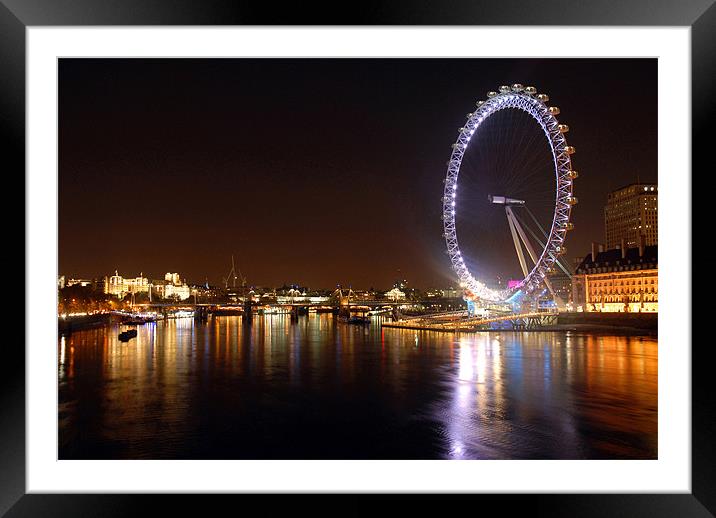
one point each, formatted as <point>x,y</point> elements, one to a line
<point>72,323</point>
<point>622,323</point>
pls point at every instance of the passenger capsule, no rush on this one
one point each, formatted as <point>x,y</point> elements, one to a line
<point>491,93</point>
<point>531,90</point>
<point>569,226</point>
<point>563,128</point>
<point>460,130</point>
<point>504,89</point>
<point>570,150</point>
<point>573,174</point>
<point>543,97</point>
<point>554,110</point>
<point>479,103</point>
<point>561,250</point>
<point>572,200</point>
<point>469,115</point>
<point>517,87</point>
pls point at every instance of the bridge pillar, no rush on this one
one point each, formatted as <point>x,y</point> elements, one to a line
<point>201,313</point>
<point>248,313</point>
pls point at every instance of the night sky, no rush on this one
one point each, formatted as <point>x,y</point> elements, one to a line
<point>313,171</point>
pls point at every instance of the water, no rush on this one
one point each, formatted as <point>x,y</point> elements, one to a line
<point>319,389</point>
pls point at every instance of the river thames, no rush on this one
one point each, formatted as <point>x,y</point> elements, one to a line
<point>315,388</point>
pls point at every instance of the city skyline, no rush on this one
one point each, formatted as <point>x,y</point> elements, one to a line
<point>309,171</point>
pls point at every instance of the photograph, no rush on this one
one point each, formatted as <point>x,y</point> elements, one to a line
<point>357,258</point>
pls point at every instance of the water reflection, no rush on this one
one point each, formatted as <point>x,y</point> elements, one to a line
<point>315,388</point>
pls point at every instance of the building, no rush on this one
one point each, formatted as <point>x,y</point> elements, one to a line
<point>171,291</point>
<point>452,293</point>
<point>78,282</point>
<point>618,280</point>
<point>119,286</point>
<point>630,212</point>
<point>395,294</point>
<point>173,287</point>
<point>172,278</point>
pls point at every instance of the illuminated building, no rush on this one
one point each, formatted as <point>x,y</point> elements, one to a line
<point>78,282</point>
<point>431,293</point>
<point>171,291</point>
<point>631,212</point>
<point>171,288</point>
<point>452,293</point>
<point>395,294</point>
<point>173,278</point>
<point>618,280</point>
<point>119,286</point>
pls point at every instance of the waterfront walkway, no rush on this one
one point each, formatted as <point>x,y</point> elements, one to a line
<point>459,322</point>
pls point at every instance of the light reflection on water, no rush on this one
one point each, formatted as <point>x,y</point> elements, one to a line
<point>315,388</point>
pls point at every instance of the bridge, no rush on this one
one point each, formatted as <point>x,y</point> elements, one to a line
<point>446,321</point>
<point>354,304</point>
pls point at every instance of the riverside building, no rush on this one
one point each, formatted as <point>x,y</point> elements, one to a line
<point>632,212</point>
<point>621,279</point>
<point>119,286</point>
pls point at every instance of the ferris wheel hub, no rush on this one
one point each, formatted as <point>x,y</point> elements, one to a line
<point>504,200</point>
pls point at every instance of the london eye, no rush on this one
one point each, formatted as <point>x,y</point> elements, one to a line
<point>508,196</point>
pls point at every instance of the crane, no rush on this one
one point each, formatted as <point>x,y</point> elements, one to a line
<point>233,275</point>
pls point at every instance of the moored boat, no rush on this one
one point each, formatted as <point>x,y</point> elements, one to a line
<point>134,322</point>
<point>361,320</point>
<point>125,336</point>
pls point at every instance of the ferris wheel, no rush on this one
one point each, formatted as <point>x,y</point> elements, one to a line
<point>538,256</point>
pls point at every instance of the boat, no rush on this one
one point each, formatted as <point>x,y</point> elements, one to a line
<point>274,310</point>
<point>138,319</point>
<point>361,320</point>
<point>134,322</point>
<point>181,314</point>
<point>125,336</point>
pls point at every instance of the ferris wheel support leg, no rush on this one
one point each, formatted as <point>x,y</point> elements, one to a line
<point>522,234</point>
<point>514,223</point>
<point>516,240</point>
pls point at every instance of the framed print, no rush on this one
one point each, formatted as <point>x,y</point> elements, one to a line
<point>415,255</point>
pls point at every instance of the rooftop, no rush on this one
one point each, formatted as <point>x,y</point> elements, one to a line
<point>613,257</point>
<point>640,187</point>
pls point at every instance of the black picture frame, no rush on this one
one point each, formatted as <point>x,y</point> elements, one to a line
<point>17,15</point>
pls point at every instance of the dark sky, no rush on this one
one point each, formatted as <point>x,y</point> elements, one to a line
<point>311,171</point>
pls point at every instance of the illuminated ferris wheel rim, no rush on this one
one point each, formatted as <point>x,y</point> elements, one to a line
<point>527,100</point>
